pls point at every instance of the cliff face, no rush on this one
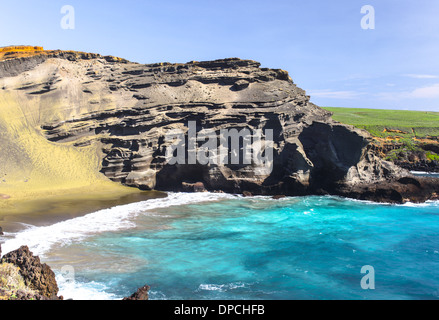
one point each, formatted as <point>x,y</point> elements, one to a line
<point>120,113</point>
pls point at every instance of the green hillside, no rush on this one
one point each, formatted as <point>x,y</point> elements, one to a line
<point>378,122</point>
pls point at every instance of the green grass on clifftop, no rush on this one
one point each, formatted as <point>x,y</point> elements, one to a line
<point>383,123</point>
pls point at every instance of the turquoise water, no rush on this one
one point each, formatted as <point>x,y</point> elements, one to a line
<point>226,247</point>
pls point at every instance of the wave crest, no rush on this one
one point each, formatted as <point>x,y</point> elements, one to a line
<point>41,239</point>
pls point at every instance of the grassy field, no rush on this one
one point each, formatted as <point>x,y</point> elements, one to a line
<point>385,123</point>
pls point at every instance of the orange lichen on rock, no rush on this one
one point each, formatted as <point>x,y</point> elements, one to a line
<point>426,140</point>
<point>21,48</point>
<point>16,52</point>
<point>394,131</point>
<point>12,52</point>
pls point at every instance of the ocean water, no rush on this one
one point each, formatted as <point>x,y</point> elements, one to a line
<point>425,174</point>
<point>219,246</point>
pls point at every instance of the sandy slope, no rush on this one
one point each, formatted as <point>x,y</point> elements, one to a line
<point>30,165</point>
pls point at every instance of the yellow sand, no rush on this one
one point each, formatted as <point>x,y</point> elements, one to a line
<point>31,167</point>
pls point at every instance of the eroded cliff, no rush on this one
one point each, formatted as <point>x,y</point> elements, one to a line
<point>71,114</point>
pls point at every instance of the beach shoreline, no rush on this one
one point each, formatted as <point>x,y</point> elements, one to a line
<point>46,207</point>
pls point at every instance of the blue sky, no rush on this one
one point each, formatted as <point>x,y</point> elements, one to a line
<point>321,43</point>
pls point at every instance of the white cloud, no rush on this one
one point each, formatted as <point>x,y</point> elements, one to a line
<point>334,94</point>
<point>422,76</point>
<point>426,92</point>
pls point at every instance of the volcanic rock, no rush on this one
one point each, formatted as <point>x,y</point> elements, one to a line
<point>120,113</point>
<point>193,187</point>
<point>37,276</point>
<point>140,294</point>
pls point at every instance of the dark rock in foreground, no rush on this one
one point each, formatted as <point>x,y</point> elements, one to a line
<point>37,276</point>
<point>140,294</point>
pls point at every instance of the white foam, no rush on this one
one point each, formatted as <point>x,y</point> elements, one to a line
<point>222,287</point>
<point>424,173</point>
<point>429,203</point>
<point>41,239</point>
<point>83,291</point>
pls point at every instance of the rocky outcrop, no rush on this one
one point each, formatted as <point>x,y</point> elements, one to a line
<point>140,294</point>
<point>419,165</point>
<point>37,276</point>
<point>17,49</point>
<point>405,189</point>
<point>415,155</point>
<point>193,187</point>
<point>12,52</point>
<point>125,110</point>
<point>39,279</point>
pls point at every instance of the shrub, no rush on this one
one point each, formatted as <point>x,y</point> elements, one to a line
<point>11,281</point>
<point>432,156</point>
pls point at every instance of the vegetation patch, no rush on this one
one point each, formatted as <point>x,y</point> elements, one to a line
<point>403,137</point>
<point>12,283</point>
<point>388,123</point>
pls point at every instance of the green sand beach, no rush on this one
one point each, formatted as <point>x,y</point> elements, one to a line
<point>46,209</point>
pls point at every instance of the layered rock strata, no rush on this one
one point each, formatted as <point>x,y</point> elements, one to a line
<point>126,111</point>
